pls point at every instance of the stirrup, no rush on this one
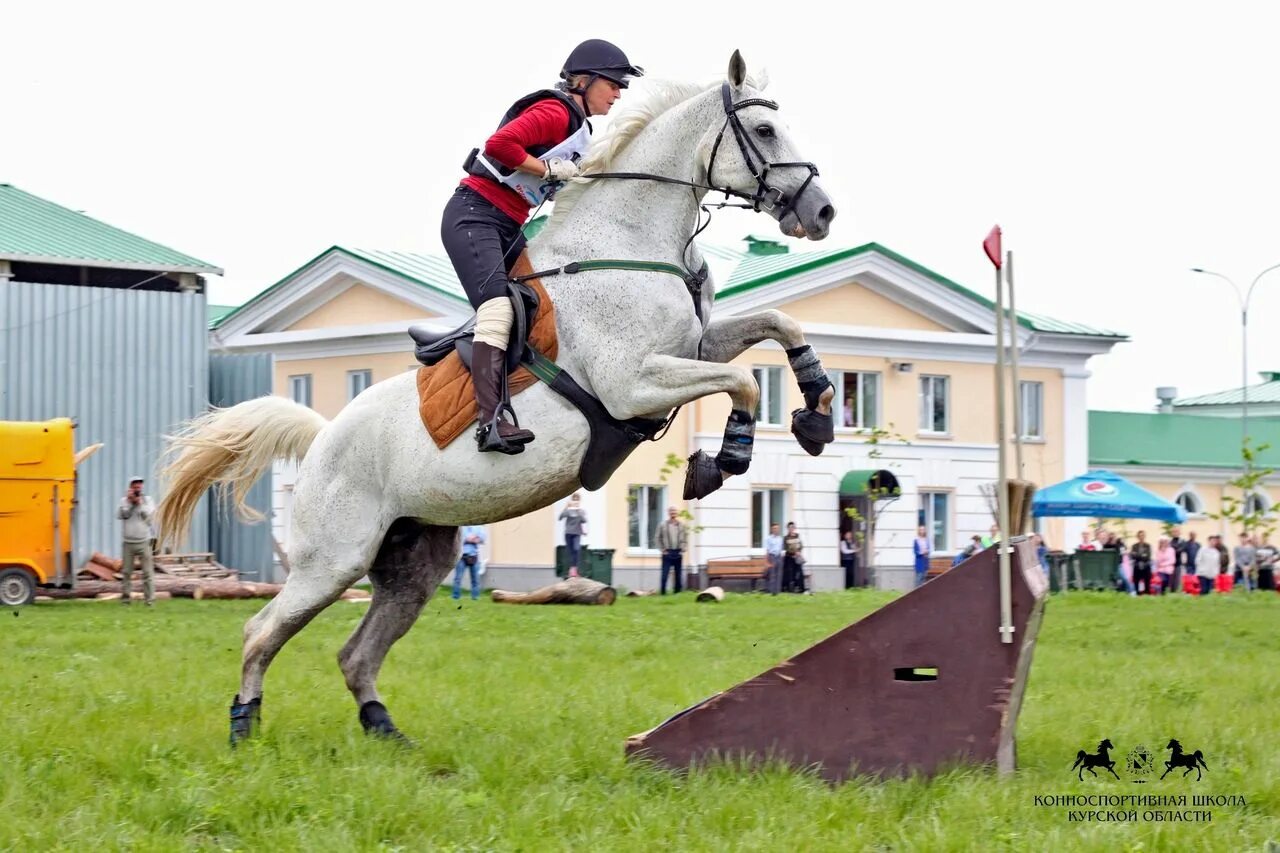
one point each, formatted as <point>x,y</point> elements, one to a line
<point>488,440</point>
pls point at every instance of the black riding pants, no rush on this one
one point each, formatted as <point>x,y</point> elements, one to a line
<point>482,242</point>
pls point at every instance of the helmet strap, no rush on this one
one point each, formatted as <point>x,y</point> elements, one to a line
<point>581,92</point>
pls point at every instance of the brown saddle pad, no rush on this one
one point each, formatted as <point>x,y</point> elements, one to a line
<point>446,395</point>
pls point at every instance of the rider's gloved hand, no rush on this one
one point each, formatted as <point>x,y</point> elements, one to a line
<point>560,170</point>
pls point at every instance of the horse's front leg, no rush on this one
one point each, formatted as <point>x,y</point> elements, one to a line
<point>726,339</point>
<point>664,382</point>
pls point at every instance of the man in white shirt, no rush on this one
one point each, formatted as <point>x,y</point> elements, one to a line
<point>773,553</point>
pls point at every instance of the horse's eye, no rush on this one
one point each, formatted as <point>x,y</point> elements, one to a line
<point>765,131</point>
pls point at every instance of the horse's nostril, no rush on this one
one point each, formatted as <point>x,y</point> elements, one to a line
<point>827,213</point>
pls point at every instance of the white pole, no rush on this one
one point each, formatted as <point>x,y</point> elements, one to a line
<point>1020,472</point>
<point>1002,482</point>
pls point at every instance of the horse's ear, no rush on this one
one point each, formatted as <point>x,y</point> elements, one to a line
<point>737,69</point>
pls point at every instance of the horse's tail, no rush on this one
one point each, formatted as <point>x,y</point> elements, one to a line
<point>231,448</point>
<point>1200,758</point>
<point>1080,756</point>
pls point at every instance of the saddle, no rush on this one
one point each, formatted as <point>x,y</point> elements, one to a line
<point>446,396</point>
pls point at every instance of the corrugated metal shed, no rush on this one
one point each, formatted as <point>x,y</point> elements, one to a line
<point>246,547</point>
<point>128,365</point>
<point>34,229</point>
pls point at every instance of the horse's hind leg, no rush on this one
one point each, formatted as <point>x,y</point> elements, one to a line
<point>314,584</point>
<point>414,558</point>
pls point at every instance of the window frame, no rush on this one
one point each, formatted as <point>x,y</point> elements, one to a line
<point>767,396</point>
<point>1024,385</point>
<point>932,379</point>
<point>837,377</point>
<point>638,505</point>
<point>928,513</point>
<point>761,526</point>
<point>306,381</point>
<point>351,376</point>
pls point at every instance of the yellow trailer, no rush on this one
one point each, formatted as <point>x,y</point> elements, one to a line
<point>37,506</point>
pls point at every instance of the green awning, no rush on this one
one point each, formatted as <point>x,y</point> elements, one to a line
<point>859,483</point>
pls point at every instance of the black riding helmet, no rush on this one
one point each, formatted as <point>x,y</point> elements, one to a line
<point>599,58</point>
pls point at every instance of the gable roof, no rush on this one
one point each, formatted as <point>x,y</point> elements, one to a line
<point>1172,440</point>
<point>429,271</point>
<point>758,271</point>
<point>36,230</point>
<point>1264,392</point>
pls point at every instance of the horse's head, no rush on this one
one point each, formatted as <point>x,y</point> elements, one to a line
<point>1173,744</point>
<point>1105,745</point>
<point>753,154</point>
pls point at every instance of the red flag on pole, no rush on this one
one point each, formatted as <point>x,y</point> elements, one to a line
<point>991,246</point>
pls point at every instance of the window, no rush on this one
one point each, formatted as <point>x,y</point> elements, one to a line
<point>857,401</point>
<point>357,381</point>
<point>645,505</point>
<point>769,410</point>
<point>768,506</point>
<point>1031,409</point>
<point>1257,503</point>
<point>1189,501</point>
<point>933,404</point>
<point>936,519</point>
<point>300,389</point>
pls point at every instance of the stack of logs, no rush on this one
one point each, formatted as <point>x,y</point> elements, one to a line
<point>196,576</point>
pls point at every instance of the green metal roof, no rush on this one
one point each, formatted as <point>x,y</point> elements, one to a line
<point>857,483</point>
<point>217,312</point>
<point>758,271</point>
<point>1196,441</point>
<point>33,229</point>
<point>1266,392</point>
<point>429,271</point>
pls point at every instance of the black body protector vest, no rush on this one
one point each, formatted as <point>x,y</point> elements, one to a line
<point>576,120</point>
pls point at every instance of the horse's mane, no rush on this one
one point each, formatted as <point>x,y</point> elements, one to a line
<point>660,96</point>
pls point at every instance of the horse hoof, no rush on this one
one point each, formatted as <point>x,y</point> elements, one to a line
<point>701,477</point>
<point>377,723</point>
<point>246,718</point>
<point>813,430</point>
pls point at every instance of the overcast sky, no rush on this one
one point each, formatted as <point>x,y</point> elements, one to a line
<point>1117,144</point>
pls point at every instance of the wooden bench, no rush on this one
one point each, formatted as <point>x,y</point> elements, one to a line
<point>938,566</point>
<point>751,569</point>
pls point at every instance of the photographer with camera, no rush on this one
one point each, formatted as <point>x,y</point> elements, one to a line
<point>473,536</point>
<point>136,511</point>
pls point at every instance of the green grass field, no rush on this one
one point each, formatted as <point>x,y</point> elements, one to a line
<point>116,726</point>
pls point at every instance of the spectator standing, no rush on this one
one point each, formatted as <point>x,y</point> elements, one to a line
<point>1190,552</point>
<point>920,549</point>
<point>793,560</point>
<point>1268,556</point>
<point>1086,542</point>
<point>1246,555</point>
<point>575,527</point>
<point>849,560</point>
<point>136,511</point>
<point>473,536</point>
<point>1166,563</point>
<point>1207,565</point>
<point>672,538</point>
<point>1179,546</point>
<point>773,554</point>
<point>1140,560</point>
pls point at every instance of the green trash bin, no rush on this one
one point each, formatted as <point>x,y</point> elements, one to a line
<point>1097,569</point>
<point>562,561</point>
<point>1060,576</point>
<point>598,565</point>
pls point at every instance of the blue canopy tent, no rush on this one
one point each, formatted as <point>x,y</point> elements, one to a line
<point>1102,494</point>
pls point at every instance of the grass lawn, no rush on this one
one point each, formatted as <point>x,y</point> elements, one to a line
<point>116,727</point>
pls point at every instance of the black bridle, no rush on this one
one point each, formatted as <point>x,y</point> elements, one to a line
<point>766,197</point>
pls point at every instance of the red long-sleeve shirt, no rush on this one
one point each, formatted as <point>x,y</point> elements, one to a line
<point>544,123</point>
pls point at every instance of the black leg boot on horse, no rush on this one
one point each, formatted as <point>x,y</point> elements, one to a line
<point>488,374</point>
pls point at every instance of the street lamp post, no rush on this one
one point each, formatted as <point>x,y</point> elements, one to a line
<point>1244,360</point>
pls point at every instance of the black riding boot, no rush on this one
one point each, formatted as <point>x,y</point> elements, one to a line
<point>488,365</point>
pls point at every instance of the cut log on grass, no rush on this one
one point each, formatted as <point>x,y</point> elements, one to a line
<point>641,593</point>
<point>568,591</point>
<point>711,593</point>
<point>235,589</point>
<point>185,588</point>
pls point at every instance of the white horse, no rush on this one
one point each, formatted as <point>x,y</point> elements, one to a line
<point>374,494</point>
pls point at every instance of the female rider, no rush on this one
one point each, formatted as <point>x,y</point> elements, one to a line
<point>535,147</point>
